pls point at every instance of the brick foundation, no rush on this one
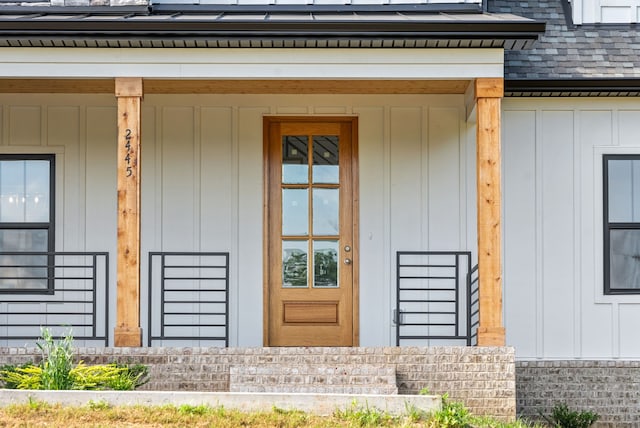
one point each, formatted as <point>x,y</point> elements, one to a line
<point>610,388</point>
<point>481,377</point>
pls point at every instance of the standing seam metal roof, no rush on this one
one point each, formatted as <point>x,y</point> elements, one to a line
<point>392,26</point>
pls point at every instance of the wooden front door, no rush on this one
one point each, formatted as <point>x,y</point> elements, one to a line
<point>310,232</point>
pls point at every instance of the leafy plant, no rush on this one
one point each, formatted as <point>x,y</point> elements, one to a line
<point>57,371</point>
<point>424,391</point>
<point>57,361</point>
<point>188,409</point>
<point>98,405</point>
<point>363,416</point>
<point>130,378</point>
<point>11,368</point>
<point>563,417</point>
<point>453,414</point>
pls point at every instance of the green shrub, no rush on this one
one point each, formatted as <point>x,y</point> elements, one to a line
<point>453,414</point>
<point>563,417</point>
<point>11,368</point>
<point>131,377</point>
<point>57,371</point>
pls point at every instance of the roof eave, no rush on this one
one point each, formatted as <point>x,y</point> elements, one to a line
<point>573,87</point>
<point>508,35</point>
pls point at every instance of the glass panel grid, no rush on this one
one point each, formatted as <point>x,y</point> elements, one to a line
<point>310,210</point>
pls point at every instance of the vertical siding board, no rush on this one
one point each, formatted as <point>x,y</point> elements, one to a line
<point>215,178</point>
<point>628,127</point>
<point>407,219</point>
<point>519,148</point>
<point>628,322</point>
<point>100,181</point>
<point>64,130</point>
<point>558,233</point>
<point>443,190</point>
<point>25,125</point>
<point>597,337</point>
<point>373,292</point>
<point>178,179</point>
<point>406,191</point>
<point>249,252</point>
<point>150,215</point>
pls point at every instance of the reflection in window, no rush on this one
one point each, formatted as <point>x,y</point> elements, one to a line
<point>295,160</point>
<point>26,221</point>
<point>325,159</point>
<point>294,263</point>
<point>325,263</point>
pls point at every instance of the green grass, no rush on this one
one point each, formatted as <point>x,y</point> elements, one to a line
<point>100,414</point>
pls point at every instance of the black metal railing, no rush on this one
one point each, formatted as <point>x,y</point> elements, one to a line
<point>436,298</point>
<point>65,292</point>
<point>473,283</point>
<point>188,297</point>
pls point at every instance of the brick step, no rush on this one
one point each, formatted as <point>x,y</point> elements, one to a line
<point>321,379</point>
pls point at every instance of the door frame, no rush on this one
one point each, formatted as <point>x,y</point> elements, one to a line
<point>266,125</point>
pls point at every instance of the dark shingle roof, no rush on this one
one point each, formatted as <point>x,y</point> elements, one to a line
<point>570,52</point>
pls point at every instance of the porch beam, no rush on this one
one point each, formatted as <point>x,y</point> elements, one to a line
<point>129,93</point>
<point>229,86</point>
<point>488,95</point>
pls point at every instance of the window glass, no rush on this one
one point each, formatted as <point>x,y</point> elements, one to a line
<point>26,222</point>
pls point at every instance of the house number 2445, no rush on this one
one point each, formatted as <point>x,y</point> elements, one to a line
<point>127,145</point>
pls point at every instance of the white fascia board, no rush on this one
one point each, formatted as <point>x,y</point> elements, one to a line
<point>248,63</point>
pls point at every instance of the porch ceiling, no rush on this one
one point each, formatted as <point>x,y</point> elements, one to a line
<point>166,86</point>
<point>344,26</point>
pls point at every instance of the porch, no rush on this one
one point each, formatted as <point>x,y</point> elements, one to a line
<point>218,139</point>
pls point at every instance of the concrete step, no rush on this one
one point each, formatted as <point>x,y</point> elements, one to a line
<point>318,379</point>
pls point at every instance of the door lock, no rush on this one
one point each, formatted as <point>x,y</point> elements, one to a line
<point>347,261</point>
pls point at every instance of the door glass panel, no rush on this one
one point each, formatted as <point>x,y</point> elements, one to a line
<point>325,211</point>
<point>294,263</point>
<point>295,212</point>
<point>325,159</point>
<point>295,160</point>
<point>325,263</point>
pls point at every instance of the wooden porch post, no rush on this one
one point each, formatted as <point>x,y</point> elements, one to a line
<point>129,92</point>
<point>488,95</point>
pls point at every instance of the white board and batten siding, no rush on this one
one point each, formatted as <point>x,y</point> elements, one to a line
<point>605,11</point>
<point>554,302</point>
<point>202,183</point>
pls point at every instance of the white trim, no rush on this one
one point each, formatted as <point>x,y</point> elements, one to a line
<point>252,63</point>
